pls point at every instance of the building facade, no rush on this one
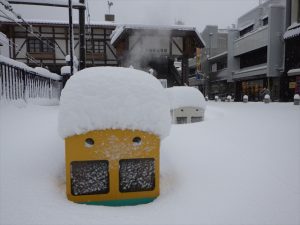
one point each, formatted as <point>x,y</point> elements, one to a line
<point>245,59</point>
<point>214,61</point>
<point>290,82</point>
<point>256,53</point>
<point>46,43</point>
<point>156,48</point>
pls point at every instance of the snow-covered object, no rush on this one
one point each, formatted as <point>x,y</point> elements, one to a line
<point>101,98</point>
<point>245,97</point>
<point>216,98</point>
<point>46,73</point>
<point>65,70</point>
<point>296,99</point>
<point>292,33</point>
<point>39,70</point>
<point>185,97</point>
<point>267,96</point>
<point>228,98</point>
<point>297,96</point>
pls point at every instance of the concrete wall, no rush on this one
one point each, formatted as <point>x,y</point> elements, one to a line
<point>275,42</point>
<point>251,41</point>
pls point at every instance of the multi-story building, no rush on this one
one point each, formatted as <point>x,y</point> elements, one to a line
<point>214,62</point>
<point>256,52</point>
<point>46,43</point>
<point>290,84</point>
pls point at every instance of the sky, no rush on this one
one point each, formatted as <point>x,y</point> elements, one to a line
<point>196,13</point>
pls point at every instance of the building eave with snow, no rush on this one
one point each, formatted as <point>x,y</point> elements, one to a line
<point>30,48</point>
<point>157,47</point>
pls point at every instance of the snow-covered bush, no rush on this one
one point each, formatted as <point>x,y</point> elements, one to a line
<point>216,98</point>
<point>296,96</point>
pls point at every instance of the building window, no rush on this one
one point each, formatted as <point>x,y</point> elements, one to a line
<point>95,46</point>
<point>40,45</point>
<point>265,21</point>
<point>246,30</point>
<point>253,58</point>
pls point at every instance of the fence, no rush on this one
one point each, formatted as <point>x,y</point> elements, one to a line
<point>18,83</point>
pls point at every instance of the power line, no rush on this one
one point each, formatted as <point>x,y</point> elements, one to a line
<point>31,31</point>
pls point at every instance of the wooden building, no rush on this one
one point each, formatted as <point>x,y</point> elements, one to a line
<point>46,43</point>
<point>156,47</point>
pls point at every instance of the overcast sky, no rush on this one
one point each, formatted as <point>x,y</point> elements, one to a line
<point>196,13</point>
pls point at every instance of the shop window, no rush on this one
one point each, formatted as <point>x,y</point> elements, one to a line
<point>40,45</point>
<point>136,175</point>
<point>89,177</point>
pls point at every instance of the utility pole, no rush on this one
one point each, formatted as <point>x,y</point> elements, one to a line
<point>82,59</point>
<point>71,38</point>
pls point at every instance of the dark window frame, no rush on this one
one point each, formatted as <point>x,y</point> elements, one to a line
<point>95,46</point>
<point>43,45</point>
<point>253,58</point>
<point>246,30</point>
<point>265,21</point>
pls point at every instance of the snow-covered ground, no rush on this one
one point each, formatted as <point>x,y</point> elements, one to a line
<point>240,166</point>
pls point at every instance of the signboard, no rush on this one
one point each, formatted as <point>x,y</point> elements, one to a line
<point>292,85</point>
<point>149,45</point>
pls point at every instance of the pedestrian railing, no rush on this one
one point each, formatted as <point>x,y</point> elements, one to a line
<point>19,83</point>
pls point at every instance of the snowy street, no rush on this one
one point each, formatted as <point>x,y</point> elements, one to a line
<point>241,165</point>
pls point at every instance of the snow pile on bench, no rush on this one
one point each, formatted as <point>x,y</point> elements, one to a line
<point>185,97</point>
<point>101,98</point>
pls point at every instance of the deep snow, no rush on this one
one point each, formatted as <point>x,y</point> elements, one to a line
<point>239,166</point>
<point>96,98</point>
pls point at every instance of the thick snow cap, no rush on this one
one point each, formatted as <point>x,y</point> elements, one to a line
<point>185,97</point>
<point>101,98</point>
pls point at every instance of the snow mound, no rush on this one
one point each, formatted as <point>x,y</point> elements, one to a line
<point>101,98</point>
<point>185,97</point>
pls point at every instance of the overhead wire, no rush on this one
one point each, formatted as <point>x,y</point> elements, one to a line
<point>31,31</point>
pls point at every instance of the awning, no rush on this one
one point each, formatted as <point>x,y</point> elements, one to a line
<point>292,33</point>
<point>294,72</point>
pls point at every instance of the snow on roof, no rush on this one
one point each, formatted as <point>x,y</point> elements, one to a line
<point>292,33</point>
<point>294,72</point>
<point>99,98</point>
<point>51,2</point>
<point>121,28</point>
<point>219,55</point>
<point>60,22</point>
<point>185,97</point>
<point>39,70</point>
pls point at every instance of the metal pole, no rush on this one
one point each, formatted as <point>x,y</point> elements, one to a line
<point>71,37</point>
<point>82,59</point>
